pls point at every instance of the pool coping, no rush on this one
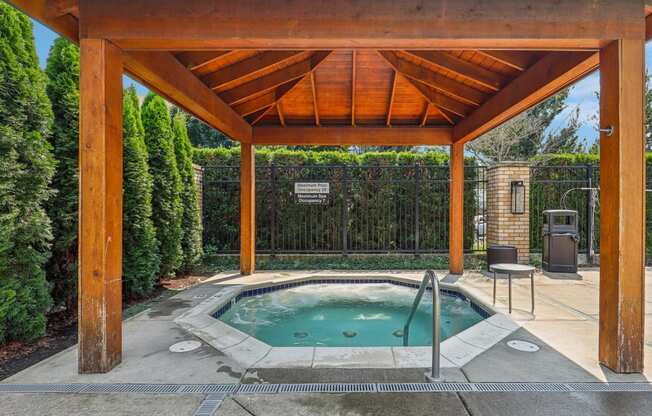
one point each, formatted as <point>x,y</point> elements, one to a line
<point>250,352</point>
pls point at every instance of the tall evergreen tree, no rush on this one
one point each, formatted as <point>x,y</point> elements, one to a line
<point>203,135</point>
<point>26,168</point>
<point>63,90</point>
<point>166,192</point>
<point>191,239</point>
<point>141,250</point>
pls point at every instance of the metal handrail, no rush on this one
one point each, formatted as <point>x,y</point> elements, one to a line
<point>436,321</point>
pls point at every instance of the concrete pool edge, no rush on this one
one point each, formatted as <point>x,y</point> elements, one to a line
<point>250,352</point>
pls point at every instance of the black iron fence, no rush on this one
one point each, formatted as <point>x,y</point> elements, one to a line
<point>368,209</point>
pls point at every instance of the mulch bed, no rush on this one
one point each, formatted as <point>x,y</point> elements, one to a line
<point>61,332</point>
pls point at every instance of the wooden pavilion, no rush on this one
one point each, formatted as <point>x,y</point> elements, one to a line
<point>365,72</point>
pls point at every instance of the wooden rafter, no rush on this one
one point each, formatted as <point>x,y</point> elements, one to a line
<point>284,90</point>
<point>354,75</point>
<point>465,69</point>
<point>272,80</point>
<point>550,74</point>
<point>424,116</point>
<point>201,61</point>
<point>247,67</point>
<point>450,87</point>
<point>379,136</point>
<point>440,100</point>
<point>265,101</point>
<point>515,59</point>
<point>58,8</point>
<point>392,94</point>
<point>315,106</point>
<point>446,115</point>
<point>279,110</point>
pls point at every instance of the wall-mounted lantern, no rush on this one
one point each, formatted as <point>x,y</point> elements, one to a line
<point>518,197</point>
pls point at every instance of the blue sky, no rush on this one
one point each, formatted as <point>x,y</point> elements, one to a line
<point>582,95</point>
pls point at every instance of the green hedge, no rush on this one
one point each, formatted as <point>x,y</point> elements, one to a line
<point>546,196</point>
<point>380,206</point>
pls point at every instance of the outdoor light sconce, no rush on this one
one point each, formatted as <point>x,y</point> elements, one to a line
<point>518,197</point>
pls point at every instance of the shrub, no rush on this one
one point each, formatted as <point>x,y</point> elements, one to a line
<point>141,258</point>
<point>191,236</point>
<point>26,168</point>
<point>63,90</point>
<point>166,191</point>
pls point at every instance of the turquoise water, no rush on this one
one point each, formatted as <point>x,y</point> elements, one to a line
<point>345,315</point>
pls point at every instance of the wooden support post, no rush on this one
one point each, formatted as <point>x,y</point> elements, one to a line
<point>247,209</point>
<point>100,207</point>
<point>456,210</point>
<point>622,205</point>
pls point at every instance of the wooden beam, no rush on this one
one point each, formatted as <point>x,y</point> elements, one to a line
<point>456,210</point>
<point>273,79</point>
<point>457,90</point>
<point>197,60</point>
<point>384,24</point>
<point>440,100</point>
<point>266,100</point>
<point>424,116</point>
<point>164,74</point>
<point>364,136</point>
<point>247,209</point>
<point>515,59</point>
<point>467,70</point>
<point>446,115</point>
<point>315,106</point>
<point>279,110</point>
<point>648,27</point>
<point>58,8</point>
<point>392,94</point>
<point>100,207</point>
<point>159,71</point>
<point>550,74</point>
<point>248,67</point>
<point>622,205</point>
<point>354,75</point>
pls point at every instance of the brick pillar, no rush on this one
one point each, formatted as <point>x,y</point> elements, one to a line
<point>503,227</point>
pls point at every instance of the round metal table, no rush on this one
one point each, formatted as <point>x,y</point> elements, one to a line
<point>513,269</point>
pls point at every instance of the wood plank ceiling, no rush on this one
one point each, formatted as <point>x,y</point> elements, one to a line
<point>356,88</point>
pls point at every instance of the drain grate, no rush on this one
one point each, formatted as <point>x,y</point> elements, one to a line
<point>209,406</point>
<point>423,387</point>
<point>41,388</point>
<point>328,388</point>
<point>521,387</point>
<point>208,388</point>
<point>610,387</point>
<point>258,389</point>
<point>219,390</point>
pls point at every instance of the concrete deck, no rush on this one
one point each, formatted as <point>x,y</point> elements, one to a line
<point>564,326</point>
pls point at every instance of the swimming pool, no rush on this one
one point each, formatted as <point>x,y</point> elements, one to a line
<point>344,314</point>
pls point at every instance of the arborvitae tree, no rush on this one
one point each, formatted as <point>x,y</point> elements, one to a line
<point>191,239</point>
<point>203,135</point>
<point>166,196</point>
<point>141,256</point>
<point>63,90</point>
<point>26,168</point>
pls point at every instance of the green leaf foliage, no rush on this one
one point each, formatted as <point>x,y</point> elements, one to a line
<point>140,248</point>
<point>167,210</point>
<point>371,194</point>
<point>203,135</point>
<point>63,90</point>
<point>191,233</point>
<point>26,169</point>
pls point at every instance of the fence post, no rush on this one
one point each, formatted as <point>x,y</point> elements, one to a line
<point>590,207</point>
<point>344,213</point>
<point>274,210</point>
<point>417,174</point>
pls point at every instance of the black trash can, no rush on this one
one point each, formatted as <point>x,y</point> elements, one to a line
<point>560,241</point>
<point>501,254</point>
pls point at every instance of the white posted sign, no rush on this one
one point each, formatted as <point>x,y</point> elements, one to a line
<point>311,192</point>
